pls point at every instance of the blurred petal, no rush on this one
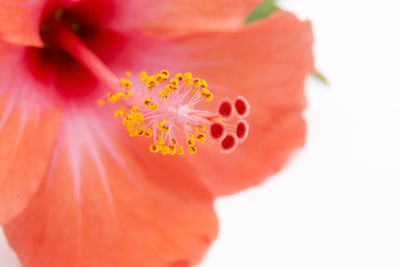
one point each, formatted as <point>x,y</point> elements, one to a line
<point>19,21</point>
<point>106,203</point>
<point>28,130</point>
<point>174,17</point>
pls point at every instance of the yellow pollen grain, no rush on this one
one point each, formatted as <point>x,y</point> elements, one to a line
<point>154,148</point>
<point>148,132</point>
<point>192,150</point>
<point>119,113</point>
<point>181,150</point>
<point>165,73</point>
<point>179,77</point>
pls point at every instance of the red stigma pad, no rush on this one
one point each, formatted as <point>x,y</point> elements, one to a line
<point>228,143</point>
<point>216,130</point>
<point>225,109</point>
<point>241,107</point>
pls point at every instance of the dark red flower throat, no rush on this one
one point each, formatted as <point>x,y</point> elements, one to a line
<point>57,67</point>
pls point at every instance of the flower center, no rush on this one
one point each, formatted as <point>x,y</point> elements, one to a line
<point>70,80</point>
<point>158,106</point>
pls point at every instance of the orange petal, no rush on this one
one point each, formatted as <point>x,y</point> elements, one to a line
<point>28,128</point>
<point>266,62</point>
<point>174,17</point>
<point>105,204</point>
<point>19,21</point>
<point>27,136</point>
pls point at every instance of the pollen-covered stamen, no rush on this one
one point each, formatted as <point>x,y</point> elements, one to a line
<point>163,108</point>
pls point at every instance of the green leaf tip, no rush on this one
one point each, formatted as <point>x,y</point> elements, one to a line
<point>262,11</point>
<point>321,77</point>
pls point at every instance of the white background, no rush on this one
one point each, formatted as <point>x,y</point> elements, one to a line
<point>337,203</point>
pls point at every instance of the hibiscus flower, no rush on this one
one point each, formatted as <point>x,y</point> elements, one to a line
<point>75,189</point>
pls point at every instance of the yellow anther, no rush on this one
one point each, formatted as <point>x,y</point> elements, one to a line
<point>143,75</point>
<point>204,83</point>
<point>160,77</point>
<point>134,109</point>
<point>162,127</point>
<point>128,73</point>
<point>164,94</point>
<point>126,83</point>
<point>110,98</point>
<point>181,150</point>
<point>170,88</point>
<point>164,149</point>
<point>100,102</point>
<point>188,78</point>
<point>119,113</point>
<point>132,132</point>
<point>201,137</point>
<point>196,82</point>
<point>140,131</point>
<point>174,83</point>
<point>192,149</point>
<point>159,140</point>
<point>147,102</point>
<point>154,148</point>
<point>138,118</point>
<point>114,98</point>
<point>205,92</point>
<point>179,77</point>
<point>190,142</point>
<point>127,94</point>
<point>152,80</point>
<point>165,73</point>
<point>172,149</point>
<point>153,106</point>
<point>148,132</point>
<point>202,127</point>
